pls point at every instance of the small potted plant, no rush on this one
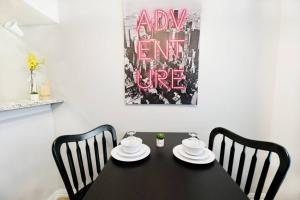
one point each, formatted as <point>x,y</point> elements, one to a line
<point>160,140</point>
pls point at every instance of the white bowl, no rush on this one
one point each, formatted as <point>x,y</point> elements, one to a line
<point>131,144</point>
<point>193,146</point>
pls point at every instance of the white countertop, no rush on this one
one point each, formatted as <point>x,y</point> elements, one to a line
<point>26,104</point>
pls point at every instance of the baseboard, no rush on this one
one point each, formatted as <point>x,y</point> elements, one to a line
<point>251,196</point>
<point>60,193</point>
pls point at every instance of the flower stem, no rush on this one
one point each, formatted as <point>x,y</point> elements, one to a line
<point>31,81</point>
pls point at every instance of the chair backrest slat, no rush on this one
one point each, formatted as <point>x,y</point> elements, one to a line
<point>72,167</point>
<point>98,166</point>
<point>258,146</point>
<point>80,162</point>
<point>222,151</point>
<point>89,160</point>
<point>231,158</point>
<point>104,148</point>
<point>77,139</point>
<point>241,167</point>
<point>262,178</point>
<point>251,173</point>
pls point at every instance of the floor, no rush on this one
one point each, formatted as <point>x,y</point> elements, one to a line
<point>63,198</point>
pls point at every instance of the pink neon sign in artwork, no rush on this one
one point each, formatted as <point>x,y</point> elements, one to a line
<point>160,79</point>
<point>167,17</point>
<point>148,49</point>
<point>144,48</point>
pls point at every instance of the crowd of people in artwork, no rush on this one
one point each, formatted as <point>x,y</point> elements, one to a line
<point>185,60</point>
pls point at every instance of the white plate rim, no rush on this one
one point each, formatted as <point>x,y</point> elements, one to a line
<point>116,156</point>
<point>210,159</point>
<point>123,154</point>
<point>203,156</point>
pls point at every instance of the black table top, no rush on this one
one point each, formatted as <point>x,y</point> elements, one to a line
<point>161,176</point>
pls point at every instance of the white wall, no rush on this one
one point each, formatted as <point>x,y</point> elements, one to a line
<point>28,171</point>
<point>285,125</point>
<point>46,7</point>
<point>14,74</point>
<point>85,56</point>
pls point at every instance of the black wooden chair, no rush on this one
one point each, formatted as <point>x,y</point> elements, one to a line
<point>74,191</point>
<point>284,161</point>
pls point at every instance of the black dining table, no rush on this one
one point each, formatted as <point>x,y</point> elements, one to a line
<point>161,176</point>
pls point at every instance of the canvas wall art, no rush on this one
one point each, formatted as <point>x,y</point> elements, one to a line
<point>161,51</point>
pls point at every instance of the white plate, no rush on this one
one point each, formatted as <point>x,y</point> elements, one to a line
<point>131,155</point>
<point>209,159</point>
<point>202,156</point>
<point>117,156</point>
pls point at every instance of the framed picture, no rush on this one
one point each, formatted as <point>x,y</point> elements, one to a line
<point>161,52</point>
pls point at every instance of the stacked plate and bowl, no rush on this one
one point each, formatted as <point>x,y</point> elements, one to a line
<point>193,150</point>
<point>131,149</point>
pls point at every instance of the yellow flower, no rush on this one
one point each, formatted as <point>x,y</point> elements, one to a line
<point>32,62</point>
